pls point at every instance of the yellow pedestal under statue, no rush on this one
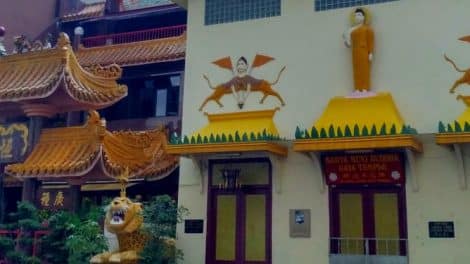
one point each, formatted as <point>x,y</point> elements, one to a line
<point>364,112</point>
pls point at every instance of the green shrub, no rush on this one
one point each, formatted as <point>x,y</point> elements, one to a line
<point>160,217</point>
<point>86,241</point>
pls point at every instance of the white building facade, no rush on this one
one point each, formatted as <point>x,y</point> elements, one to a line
<point>286,208</point>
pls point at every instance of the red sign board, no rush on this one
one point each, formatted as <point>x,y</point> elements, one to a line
<point>364,168</point>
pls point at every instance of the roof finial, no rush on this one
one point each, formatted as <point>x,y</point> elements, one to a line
<point>123,180</point>
<point>63,40</point>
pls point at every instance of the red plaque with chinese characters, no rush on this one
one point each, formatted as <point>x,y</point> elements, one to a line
<point>367,168</point>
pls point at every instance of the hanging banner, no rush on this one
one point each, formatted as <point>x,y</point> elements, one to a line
<point>364,168</point>
<point>13,142</point>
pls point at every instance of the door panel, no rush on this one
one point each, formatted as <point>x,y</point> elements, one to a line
<point>255,227</point>
<point>386,223</point>
<point>351,222</point>
<point>225,249</point>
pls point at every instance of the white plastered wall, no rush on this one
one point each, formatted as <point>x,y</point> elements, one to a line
<point>411,38</point>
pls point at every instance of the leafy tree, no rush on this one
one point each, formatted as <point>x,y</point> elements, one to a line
<point>393,130</point>
<point>323,133</point>
<point>87,239</point>
<point>26,218</point>
<point>61,226</point>
<point>160,217</point>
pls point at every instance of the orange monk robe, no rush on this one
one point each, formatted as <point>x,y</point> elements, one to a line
<point>362,44</point>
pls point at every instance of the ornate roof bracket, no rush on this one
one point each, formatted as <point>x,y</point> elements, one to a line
<point>202,166</point>
<point>315,158</point>
<point>462,176</point>
<point>410,157</point>
<point>277,172</point>
<point>457,142</point>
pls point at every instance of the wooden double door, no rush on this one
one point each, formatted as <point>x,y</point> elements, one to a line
<point>239,224</point>
<point>368,220</point>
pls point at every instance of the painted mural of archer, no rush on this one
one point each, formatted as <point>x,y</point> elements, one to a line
<point>242,83</point>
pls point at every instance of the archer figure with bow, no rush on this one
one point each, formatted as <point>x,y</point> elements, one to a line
<point>242,83</point>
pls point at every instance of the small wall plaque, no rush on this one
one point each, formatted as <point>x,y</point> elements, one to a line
<point>194,226</point>
<point>441,230</point>
<point>299,222</point>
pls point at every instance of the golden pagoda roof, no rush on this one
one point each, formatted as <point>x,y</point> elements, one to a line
<point>54,77</point>
<point>251,131</point>
<point>77,151</point>
<point>135,53</point>
<point>352,123</point>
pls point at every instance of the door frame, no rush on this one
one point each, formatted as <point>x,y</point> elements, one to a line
<point>239,234</point>
<point>367,210</point>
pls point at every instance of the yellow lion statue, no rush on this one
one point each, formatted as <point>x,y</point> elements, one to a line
<point>124,219</point>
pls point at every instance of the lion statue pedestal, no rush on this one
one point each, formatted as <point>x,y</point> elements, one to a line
<point>123,219</point>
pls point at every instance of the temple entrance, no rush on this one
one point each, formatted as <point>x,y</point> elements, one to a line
<point>368,222</point>
<point>239,216</point>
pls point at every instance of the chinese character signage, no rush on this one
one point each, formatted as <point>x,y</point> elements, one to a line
<point>53,198</point>
<point>364,168</point>
<point>13,142</point>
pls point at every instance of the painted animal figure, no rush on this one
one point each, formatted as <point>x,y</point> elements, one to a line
<point>22,44</point>
<point>245,83</point>
<point>124,219</point>
<point>464,79</point>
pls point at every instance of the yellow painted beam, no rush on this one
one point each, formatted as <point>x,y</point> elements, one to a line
<point>357,143</point>
<point>231,147</point>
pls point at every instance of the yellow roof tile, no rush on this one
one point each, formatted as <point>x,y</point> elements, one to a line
<point>75,151</point>
<point>39,75</point>
<point>88,11</point>
<point>134,53</point>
